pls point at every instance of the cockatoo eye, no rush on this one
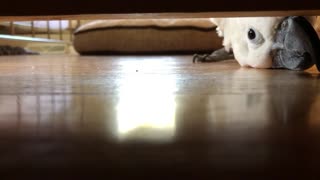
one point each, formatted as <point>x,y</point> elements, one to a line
<point>254,37</point>
<point>251,34</point>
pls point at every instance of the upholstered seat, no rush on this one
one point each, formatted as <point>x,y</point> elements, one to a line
<point>147,36</point>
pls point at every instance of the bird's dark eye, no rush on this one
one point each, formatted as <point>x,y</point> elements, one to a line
<point>251,34</point>
<point>255,38</point>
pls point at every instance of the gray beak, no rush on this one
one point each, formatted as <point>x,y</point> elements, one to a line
<point>297,45</point>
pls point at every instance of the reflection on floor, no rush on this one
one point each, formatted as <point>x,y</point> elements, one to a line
<point>155,117</point>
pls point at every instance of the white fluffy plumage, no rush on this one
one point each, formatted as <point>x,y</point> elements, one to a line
<point>251,52</point>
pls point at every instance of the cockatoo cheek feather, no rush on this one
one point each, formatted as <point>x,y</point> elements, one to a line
<point>252,53</point>
<point>261,57</point>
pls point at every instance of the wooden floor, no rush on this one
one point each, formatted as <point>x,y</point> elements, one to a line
<point>149,117</point>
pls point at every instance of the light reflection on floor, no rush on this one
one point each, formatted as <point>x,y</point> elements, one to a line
<point>146,104</point>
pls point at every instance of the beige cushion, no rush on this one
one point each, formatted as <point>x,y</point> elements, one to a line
<point>147,36</point>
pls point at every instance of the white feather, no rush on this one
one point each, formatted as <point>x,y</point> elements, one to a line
<point>235,34</point>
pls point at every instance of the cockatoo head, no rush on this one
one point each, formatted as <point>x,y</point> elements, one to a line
<point>265,42</point>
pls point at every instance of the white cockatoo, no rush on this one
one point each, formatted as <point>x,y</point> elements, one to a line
<point>267,42</point>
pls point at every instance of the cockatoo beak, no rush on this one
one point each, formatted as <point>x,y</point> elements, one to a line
<point>297,45</point>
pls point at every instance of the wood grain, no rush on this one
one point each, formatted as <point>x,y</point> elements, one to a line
<point>155,117</point>
<point>317,26</point>
<point>163,15</point>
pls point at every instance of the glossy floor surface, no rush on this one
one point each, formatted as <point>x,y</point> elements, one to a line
<point>155,117</point>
